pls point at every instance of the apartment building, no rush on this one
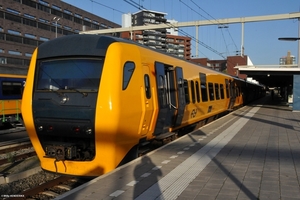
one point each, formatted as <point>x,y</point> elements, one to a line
<point>159,39</point>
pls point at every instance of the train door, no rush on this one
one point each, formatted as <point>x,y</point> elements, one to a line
<point>147,102</point>
<point>232,95</point>
<point>181,95</point>
<point>165,96</point>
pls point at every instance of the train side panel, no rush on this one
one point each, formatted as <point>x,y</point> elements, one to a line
<point>200,110</point>
<point>196,109</point>
<point>119,107</point>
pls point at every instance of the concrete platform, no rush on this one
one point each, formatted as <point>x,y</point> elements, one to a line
<point>253,153</point>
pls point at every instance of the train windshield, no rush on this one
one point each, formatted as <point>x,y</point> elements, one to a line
<point>69,74</point>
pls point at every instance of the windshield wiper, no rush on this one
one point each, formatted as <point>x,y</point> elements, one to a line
<point>84,94</point>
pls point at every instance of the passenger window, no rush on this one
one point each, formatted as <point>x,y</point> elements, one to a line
<point>204,92</point>
<point>11,88</point>
<point>203,87</point>
<point>162,91</point>
<point>181,89</point>
<point>211,91</point>
<point>233,91</point>
<point>127,73</point>
<point>197,92</point>
<point>222,91</point>
<point>147,86</point>
<point>186,91</point>
<point>238,91</point>
<point>227,88</point>
<point>193,92</point>
<point>217,91</point>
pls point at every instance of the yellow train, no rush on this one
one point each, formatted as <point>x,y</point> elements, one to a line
<point>11,88</point>
<point>91,102</point>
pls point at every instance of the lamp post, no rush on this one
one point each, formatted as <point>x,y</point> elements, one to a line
<point>296,78</point>
<point>56,19</point>
<point>294,39</point>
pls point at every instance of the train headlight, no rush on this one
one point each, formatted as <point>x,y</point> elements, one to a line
<point>64,99</point>
<point>40,128</point>
<point>88,131</point>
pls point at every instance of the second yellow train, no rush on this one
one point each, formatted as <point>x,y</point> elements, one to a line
<point>91,102</point>
<point>11,89</point>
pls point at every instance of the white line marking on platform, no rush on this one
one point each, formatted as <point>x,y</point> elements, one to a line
<point>146,175</point>
<point>174,183</point>
<point>156,168</point>
<point>132,183</point>
<point>116,193</point>
<point>165,161</point>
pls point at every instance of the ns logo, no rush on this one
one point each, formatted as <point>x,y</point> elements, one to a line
<point>193,113</point>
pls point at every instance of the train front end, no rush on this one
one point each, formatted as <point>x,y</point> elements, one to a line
<point>59,103</point>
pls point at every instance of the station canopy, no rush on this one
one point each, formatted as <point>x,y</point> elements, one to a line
<point>272,75</point>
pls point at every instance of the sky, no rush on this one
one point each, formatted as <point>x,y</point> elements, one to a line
<point>261,42</point>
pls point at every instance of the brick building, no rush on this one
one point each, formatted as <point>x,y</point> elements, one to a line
<point>25,24</point>
<point>226,66</point>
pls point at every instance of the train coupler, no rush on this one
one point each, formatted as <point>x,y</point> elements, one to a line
<point>61,151</point>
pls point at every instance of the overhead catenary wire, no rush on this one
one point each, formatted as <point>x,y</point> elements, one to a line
<point>195,39</point>
<point>101,4</point>
<point>215,21</point>
<point>134,4</point>
<point>140,7</point>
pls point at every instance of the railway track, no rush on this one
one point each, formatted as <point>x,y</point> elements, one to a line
<point>50,189</point>
<point>16,150</point>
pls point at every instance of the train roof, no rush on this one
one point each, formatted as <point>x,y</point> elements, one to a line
<point>95,45</point>
<point>75,45</point>
<point>13,76</point>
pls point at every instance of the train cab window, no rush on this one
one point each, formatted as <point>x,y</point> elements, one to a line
<point>70,74</point>
<point>217,91</point>
<point>222,91</point>
<point>197,91</point>
<point>127,73</point>
<point>211,91</point>
<point>193,92</point>
<point>186,91</point>
<point>147,86</point>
